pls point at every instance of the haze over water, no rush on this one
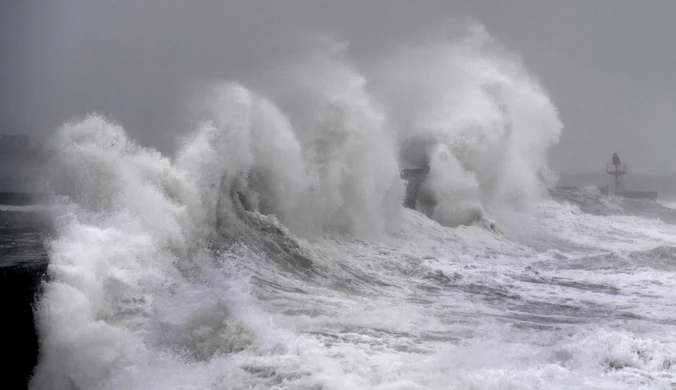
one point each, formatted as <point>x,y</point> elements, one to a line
<point>272,250</point>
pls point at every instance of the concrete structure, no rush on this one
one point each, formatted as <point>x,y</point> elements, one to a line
<point>414,178</point>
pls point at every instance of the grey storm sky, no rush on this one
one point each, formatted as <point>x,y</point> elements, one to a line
<point>607,65</point>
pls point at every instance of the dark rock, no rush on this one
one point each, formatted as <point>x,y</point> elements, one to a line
<point>19,287</point>
<point>23,267</point>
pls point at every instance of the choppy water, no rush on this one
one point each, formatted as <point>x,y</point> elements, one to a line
<point>267,256</point>
<point>23,230</point>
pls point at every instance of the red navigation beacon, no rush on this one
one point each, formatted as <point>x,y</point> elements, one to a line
<point>617,168</point>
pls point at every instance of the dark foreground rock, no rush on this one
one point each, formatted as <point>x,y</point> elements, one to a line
<point>23,267</point>
<point>19,286</point>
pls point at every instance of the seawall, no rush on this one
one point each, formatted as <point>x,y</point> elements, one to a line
<point>651,195</point>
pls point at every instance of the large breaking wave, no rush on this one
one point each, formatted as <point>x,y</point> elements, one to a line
<point>274,252</point>
<point>479,120</point>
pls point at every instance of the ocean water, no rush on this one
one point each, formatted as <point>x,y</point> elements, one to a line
<point>23,229</point>
<point>273,252</point>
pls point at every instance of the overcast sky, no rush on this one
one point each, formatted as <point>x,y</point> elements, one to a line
<point>609,66</point>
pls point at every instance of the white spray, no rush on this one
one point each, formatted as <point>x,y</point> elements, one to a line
<point>479,105</point>
<point>131,246</point>
<point>248,146</point>
<point>129,235</point>
<point>352,155</point>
